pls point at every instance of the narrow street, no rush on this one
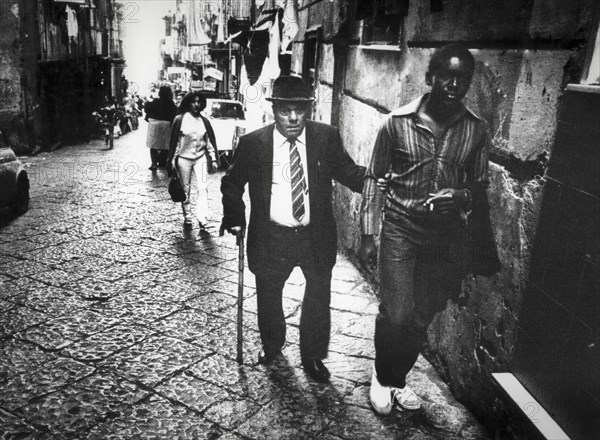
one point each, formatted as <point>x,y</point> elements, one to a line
<point>118,324</point>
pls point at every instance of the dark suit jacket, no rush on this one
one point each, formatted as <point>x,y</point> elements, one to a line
<point>253,164</point>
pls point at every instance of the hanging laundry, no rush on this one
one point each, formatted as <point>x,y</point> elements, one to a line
<point>274,44</point>
<point>290,25</point>
<point>268,11</point>
<point>196,35</point>
<point>220,27</point>
<point>72,27</point>
<point>232,37</point>
<point>256,54</point>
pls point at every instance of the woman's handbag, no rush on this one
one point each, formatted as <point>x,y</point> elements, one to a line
<point>176,188</point>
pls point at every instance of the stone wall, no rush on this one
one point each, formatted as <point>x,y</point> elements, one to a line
<point>20,113</point>
<point>11,111</point>
<point>525,57</point>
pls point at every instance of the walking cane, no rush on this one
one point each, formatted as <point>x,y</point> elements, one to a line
<point>240,302</point>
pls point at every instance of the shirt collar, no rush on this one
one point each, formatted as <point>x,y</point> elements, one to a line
<point>413,107</point>
<point>280,140</point>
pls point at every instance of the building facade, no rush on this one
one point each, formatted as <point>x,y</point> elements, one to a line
<point>196,52</point>
<point>60,60</point>
<point>537,318</point>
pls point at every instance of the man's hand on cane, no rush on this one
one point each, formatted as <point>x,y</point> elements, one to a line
<point>238,231</point>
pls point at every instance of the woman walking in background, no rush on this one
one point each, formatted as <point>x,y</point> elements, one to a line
<point>159,114</point>
<point>193,151</point>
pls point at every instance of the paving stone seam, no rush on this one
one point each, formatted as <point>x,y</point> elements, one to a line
<point>12,335</point>
<point>232,391</point>
<point>237,424</point>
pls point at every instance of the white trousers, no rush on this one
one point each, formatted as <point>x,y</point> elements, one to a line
<point>186,169</point>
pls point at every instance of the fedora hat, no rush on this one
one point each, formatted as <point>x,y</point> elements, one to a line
<point>290,88</point>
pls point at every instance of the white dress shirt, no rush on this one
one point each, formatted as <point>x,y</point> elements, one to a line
<point>281,184</point>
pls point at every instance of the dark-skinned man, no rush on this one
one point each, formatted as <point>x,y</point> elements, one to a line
<point>435,151</point>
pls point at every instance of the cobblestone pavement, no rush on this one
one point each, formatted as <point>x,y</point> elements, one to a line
<point>118,324</point>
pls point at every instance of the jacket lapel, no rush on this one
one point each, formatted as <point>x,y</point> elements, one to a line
<point>313,168</point>
<point>312,153</point>
<point>266,162</point>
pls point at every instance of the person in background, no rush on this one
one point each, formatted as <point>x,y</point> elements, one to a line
<point>124,89</point>
<point>289,167</point>
<point>435,150</point>
<point>193,152</point>
<point>178,97</point>
<point>108,120</point>
<point>160,113</point>
<point>139,102</point>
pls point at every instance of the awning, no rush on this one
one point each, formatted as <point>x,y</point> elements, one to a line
<point>211,72</point>
<point>78,2</point>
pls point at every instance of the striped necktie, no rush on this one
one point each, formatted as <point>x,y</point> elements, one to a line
<point>298,181</point>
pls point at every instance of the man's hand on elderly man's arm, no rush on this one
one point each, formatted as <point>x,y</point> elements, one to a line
<point>383,183</point>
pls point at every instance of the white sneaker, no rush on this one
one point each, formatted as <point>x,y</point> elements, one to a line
<point>407,398</point>
<point>381,396</point>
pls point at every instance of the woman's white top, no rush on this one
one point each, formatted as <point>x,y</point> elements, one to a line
<point>193,139</point>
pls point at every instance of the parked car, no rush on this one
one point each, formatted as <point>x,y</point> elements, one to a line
<point>14,183</point>
<point>228,120</point>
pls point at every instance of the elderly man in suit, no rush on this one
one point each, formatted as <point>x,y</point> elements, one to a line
<point>289,167</point>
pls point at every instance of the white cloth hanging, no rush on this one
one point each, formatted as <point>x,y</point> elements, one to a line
<point>290,25</point>
<point>72,28</point>
<point>196,35</point>
<point>220,27</point>
<point>274,43</point>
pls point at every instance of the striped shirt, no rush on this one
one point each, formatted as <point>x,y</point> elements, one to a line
<point>421,164</point>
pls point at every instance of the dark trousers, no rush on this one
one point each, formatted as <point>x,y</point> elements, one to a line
<point>421,265</point>
<point>286,249</point>
<point>158,157</point>
<point>154,156</point>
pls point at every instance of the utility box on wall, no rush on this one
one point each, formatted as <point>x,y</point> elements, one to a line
<point>558,347</point>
